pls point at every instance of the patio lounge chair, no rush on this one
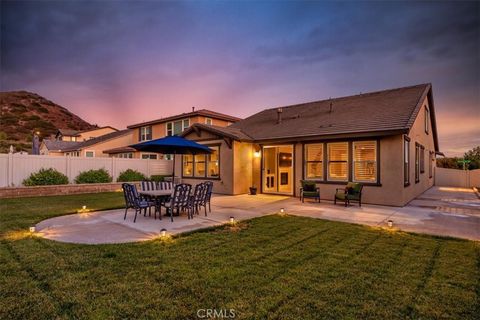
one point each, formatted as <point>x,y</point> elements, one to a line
<point>134,201</point>
<point>352,192</point>
<point>179,199</point>
<point>309,189</point>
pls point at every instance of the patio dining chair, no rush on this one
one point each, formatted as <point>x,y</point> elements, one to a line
<point>179,199</point>
<point>197,200</point>
<point>148,185</point>
<point>165,185</point>
<point>352,192</point>
<point>208,195</point>
<point>134,201</point>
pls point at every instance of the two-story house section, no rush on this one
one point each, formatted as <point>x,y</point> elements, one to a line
<point>169,126</point>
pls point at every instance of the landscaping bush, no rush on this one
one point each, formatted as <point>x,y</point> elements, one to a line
<point>130,175</point>
<point>94,176</point>
<point>157,178</point>
<point>46,177</point>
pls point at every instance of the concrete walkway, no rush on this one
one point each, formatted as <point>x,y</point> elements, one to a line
<point>439,211</point>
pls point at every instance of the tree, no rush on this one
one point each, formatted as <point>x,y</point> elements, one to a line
<point>474,157</point>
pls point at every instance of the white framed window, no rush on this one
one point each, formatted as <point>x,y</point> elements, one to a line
<point>175,128</point>
<point>89,153</point>
<point>406,161</point>
<point>201,165</point>
<point>208,121</point>
<point>314,161</point>
<point>151,156</point>
<point>365,161</point>
<point>337,157</point>
<point>145,133</point>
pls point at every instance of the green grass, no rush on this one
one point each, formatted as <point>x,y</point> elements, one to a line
<point>272,267</point>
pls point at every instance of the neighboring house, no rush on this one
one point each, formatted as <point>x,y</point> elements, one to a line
<point>77,136</point>
<point>386,140</point>
<point>168,126</point>
<point>93,147</point>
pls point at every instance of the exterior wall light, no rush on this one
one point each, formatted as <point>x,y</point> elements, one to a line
<point>256,154</point>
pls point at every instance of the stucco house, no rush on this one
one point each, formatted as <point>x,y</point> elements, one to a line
<point>78,136</point>
<point>91,147</point>
<point>386,140</point>
<point>168,126</point>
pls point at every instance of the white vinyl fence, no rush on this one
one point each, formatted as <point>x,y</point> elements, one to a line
<point>457,178</point>
<point>14,168</point>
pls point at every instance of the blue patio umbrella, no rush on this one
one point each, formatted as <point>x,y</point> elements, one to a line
<point>172,145</point>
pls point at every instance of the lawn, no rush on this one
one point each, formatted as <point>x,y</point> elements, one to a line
<point>278,267</point>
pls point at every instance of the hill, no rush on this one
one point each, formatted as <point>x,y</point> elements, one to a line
<point>22,113</point>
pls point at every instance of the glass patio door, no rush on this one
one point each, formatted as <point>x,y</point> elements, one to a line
<point>278,169</point>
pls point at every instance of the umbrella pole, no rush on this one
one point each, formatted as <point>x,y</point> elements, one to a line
<point>174,163</point>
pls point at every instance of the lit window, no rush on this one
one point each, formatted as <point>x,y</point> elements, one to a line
<point>188,165</point>
<point>89,154</point>
<point>427,120</point>
<point>337,161</point>
<point>208,121</point>
<point>213,163</point>
<point>199,165</point>
<point>365,161</point>
<point>314,161</point>
<point>145,133</point>
<point>406,161</point>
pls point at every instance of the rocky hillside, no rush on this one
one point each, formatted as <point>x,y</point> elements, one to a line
<point>22,113</point>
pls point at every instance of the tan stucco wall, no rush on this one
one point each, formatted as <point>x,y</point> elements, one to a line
<point>223,185</point>
<point>417,134</point>
<point>242,167</point>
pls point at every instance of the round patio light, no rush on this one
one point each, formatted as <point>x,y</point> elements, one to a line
<point>84,207</point>
<point>282,210</point>
<point>390,223</point>
<point>32,229</point>
<point>163,232</point>
<point>232,220</point>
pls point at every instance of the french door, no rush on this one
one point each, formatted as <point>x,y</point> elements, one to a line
<point>278,169</point>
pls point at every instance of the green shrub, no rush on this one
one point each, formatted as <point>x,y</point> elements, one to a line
<point>157,178</point>
<point>94,176</point>
<point>46,177</point>
<point>130,175</point>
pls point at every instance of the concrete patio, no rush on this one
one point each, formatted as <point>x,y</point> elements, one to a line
<point>439,211</point>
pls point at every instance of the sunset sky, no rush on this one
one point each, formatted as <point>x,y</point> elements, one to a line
<point>118,63</point>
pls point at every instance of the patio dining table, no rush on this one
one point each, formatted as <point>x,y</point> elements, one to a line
<point>157,195</point>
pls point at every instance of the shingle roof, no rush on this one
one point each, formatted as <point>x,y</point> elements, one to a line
<point>390,111</point>
<point>96,140</point>
<point>59,144</point>
<point>230,132</point>
<point>201,112</point>
<point>120,150</point>
<point>387,110</point>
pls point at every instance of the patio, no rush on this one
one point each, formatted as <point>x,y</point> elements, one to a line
<point>439,211</point>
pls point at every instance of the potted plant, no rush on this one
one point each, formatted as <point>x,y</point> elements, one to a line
<point>253,190</point>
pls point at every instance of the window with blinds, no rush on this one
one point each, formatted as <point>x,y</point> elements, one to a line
<point>187,165</point>
<point>337,155</point>
<point>314,161</point>
<point>365,161</point>
<point>199,165</point>
<point>213,163</point>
